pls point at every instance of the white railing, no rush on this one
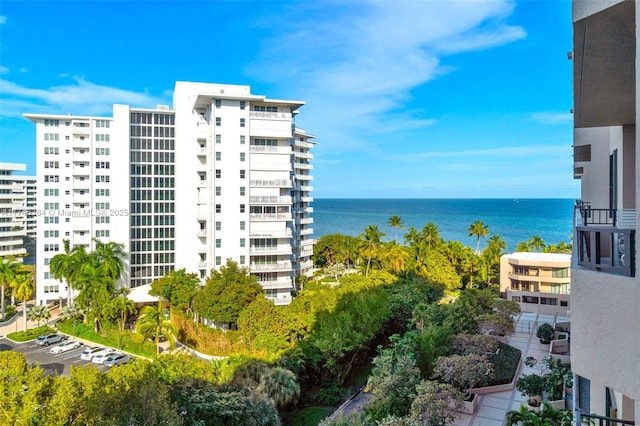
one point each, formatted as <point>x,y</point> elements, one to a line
<point>270,149</point>
<point>280,183</point>
<point>303,144</point>
<point>270,199</point>
<point>271,115</point>
<point>303,166</point>
<point>280,266</point>
<point>270,216</point>
<point>280,249</point>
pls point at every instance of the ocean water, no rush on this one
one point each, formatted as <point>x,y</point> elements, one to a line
<point>514,220</point>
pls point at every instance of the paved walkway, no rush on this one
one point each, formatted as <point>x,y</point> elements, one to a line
<point>17,322</point>
<point>493,407</point>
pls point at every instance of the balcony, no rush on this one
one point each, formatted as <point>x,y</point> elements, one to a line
<point>81,129</point>
<point>303,144</point>
<point>270,267</point>
<point>268,251</point>
<point>605,239</point>
<point>270,115</point>
<point>268,199</point>
<point>270,216</point>
<point>278,183</point>
<point>303,166</point>
<point>270,149</point>
<point>282,233</point>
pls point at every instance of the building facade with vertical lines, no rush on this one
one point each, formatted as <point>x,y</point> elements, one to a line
<point>224,174</point>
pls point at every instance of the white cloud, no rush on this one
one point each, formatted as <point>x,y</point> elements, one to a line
<point>551,117</point>
<point>23,70</point>
<point>80,96</point>
<point>357,63</point>
<point>3,19</point>
<point>4,70</point>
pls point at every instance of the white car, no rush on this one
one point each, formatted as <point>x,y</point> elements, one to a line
<point>89,352</point>
<point>65,346</point>
<point>99,357</point>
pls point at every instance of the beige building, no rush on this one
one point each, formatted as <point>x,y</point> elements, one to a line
<point>605,291</point>
<point>16,210</point>
<point>539,282</point>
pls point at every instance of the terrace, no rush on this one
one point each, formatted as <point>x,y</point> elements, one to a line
<point>605,239</point>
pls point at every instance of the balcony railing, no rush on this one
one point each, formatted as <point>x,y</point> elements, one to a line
<point>605,239</point>
<point>594,419</point>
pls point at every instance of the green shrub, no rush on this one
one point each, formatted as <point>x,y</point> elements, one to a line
<point>505,364</point>
<point>124,340</point>
<point>9,312</point>
<point>31,334</point>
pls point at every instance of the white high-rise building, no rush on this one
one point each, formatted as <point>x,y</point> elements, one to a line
<point>16,212</point>
<point>223,175</point>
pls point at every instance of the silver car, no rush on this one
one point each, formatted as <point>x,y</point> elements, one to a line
<point>47,339</point>
<point>116,359</point>
<point>88,353</point>
<point>65,346</point>
<point>101,356</point>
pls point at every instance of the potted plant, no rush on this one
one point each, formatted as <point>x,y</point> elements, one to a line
<point>531,386</point>
<point>545,333</point>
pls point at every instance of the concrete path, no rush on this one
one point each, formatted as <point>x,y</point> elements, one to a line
<point>493,407</point>
<point>17,322</point>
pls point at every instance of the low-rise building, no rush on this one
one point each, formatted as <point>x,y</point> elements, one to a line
<point>539,282</point>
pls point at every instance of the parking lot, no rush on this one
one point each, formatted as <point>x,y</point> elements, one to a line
<point>50,363</point>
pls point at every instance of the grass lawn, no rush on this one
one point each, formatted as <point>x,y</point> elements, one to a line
<point>124,340</point>
<point>30,334</point>
<point>309,416</point>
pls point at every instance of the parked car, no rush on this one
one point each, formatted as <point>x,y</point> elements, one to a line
<point>65,346</point>
<point>100,357</point>
<point>47,339</point>
<point>89,352</point>
<point>117,359</point>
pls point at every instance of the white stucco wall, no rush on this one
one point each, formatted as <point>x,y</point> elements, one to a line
<point>605,337</point>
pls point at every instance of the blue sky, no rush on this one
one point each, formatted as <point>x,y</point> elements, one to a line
<point>408,99</point>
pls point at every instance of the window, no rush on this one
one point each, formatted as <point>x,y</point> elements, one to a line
<point>271,293</point>
<point>51,123</point>
<point>242,174</point>
<point>243,104</point>
<point>102,151</point>
<point>242,208</point>
<point>242,260</point>
<point>218,138</point>
<point>51,219</point>
<point>101,192</point>
<point>218,260</point>
<point>218,190</point>
<point>218,226</point>
<point>242,156</point>
<point>102,219</point>
<point>218,103</point>
<point>242,122</point>
<point>242,225</point>
<point>102,164</point>
<point>242,190</point>
<point>218,121</point>
<point>218,173</point>
<point>51,192</point>
<point>560,273</point>
<point>51,164</point>
<point>242,139</point>
<point>218,243</point>
<point>103,123</point>
<point>218,208</point>
<point>102,233</point>
<point>242,242</point>
<point>564,303</point>
<point>218,156</point>
<point>102,138</point>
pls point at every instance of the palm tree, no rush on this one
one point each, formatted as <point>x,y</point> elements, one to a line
<point>536,243</point>
<point>24,286</point>
<point>39,313</point>
<point>479,230</point>
<point>372,238</point>
<point>72,312</point>
<point>412,236</point>
<point>8,270</point>
<point>95,288</point>
<point>121,306</point>
<point>431,234</point>
<point>280,385</point>
<point>396,256</point>
<point>495,248</point>
<point>151,324</point>
<point>62,267</point>
<point>395,222</point>
<point>111,257</point>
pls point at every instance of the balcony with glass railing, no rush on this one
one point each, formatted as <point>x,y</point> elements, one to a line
<point>605,239</point>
